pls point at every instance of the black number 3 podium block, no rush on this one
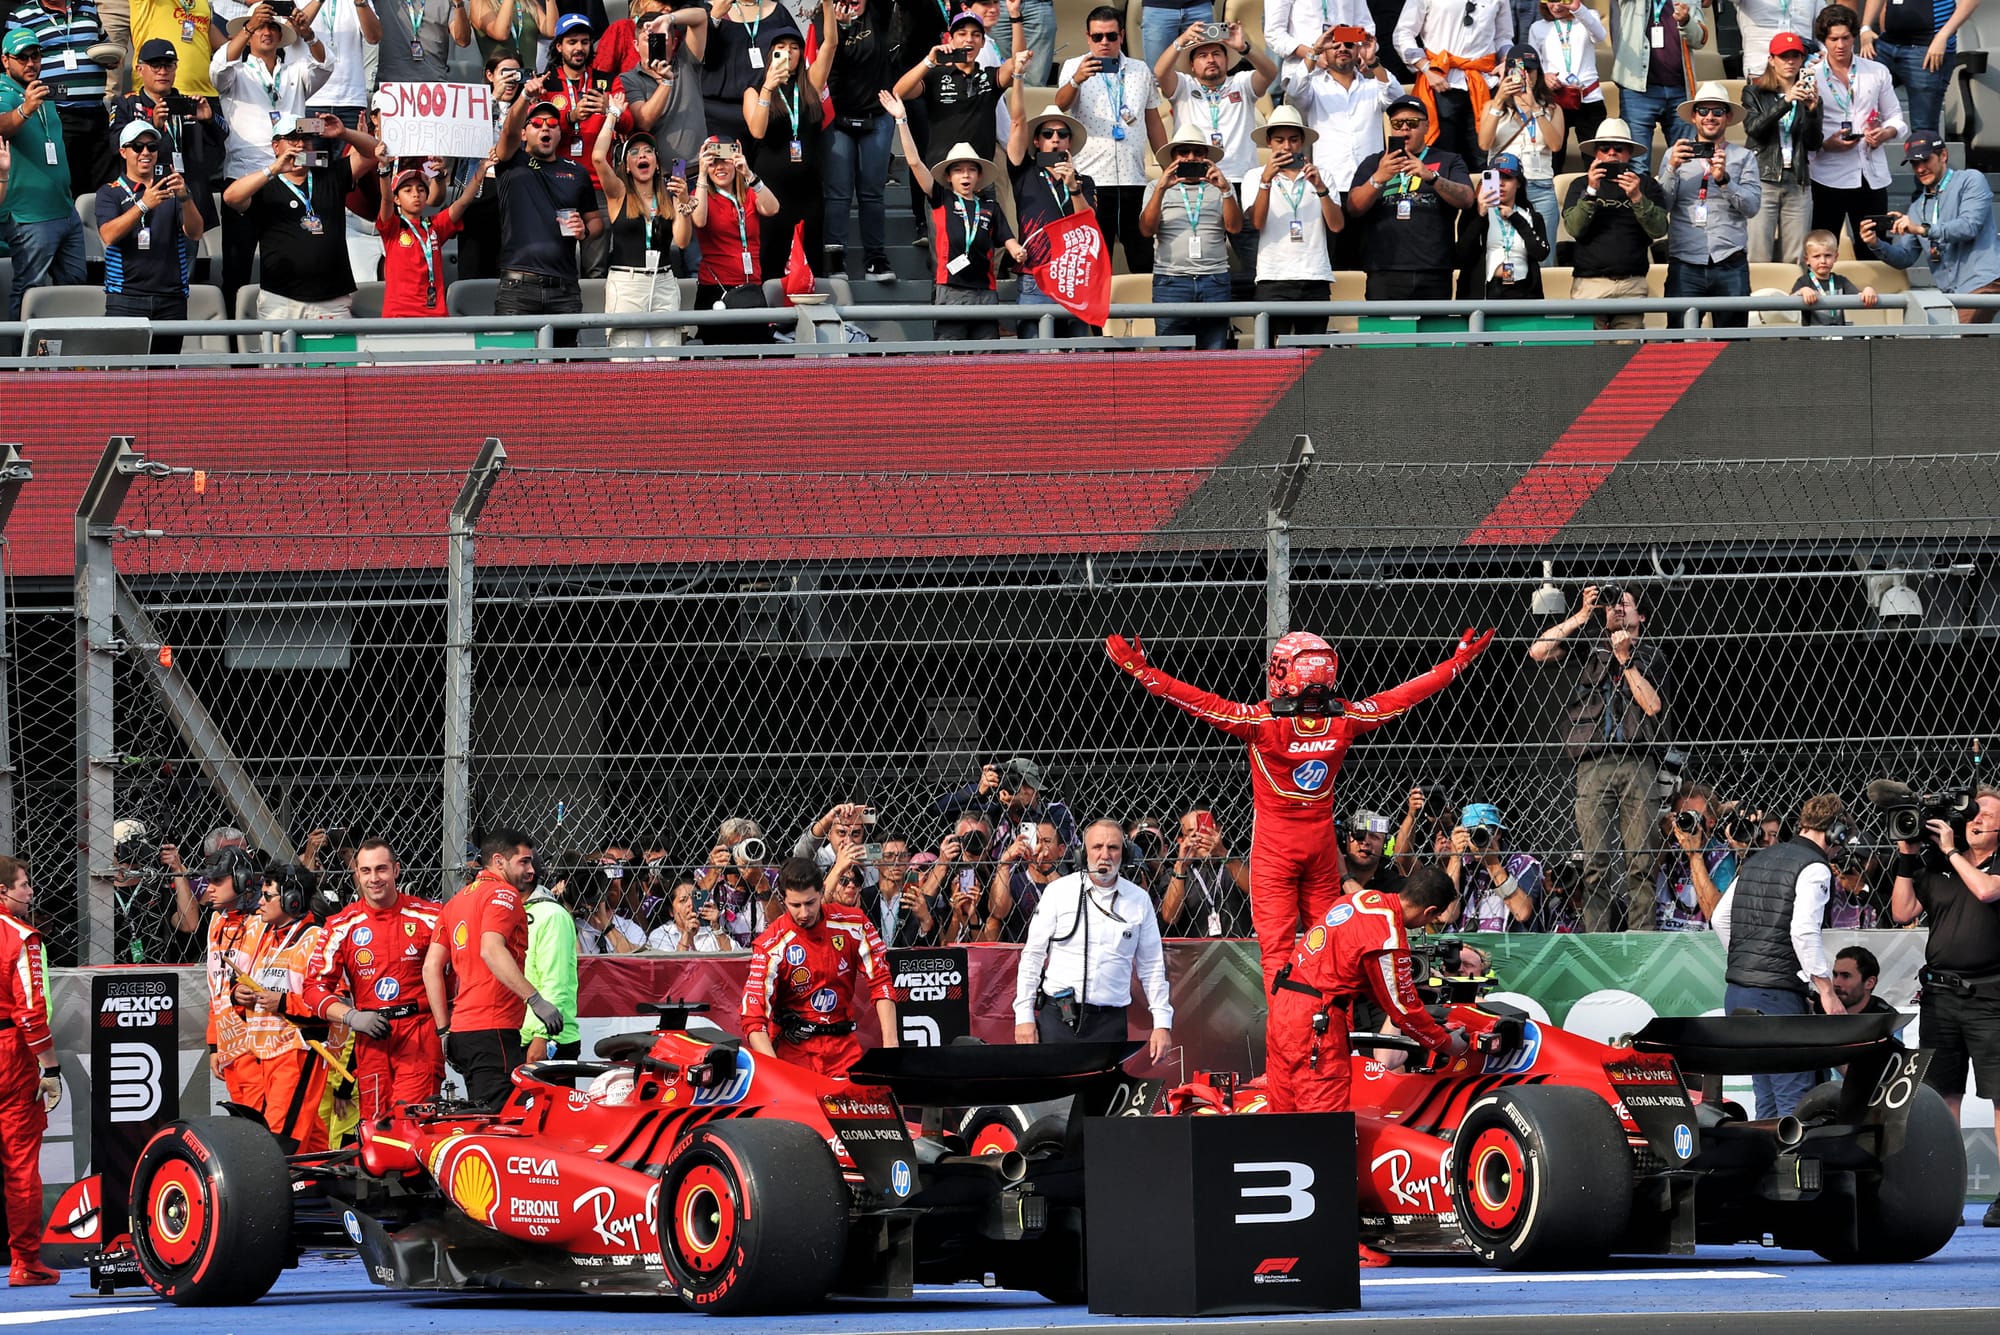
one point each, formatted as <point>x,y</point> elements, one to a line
<point>1213,1216</point>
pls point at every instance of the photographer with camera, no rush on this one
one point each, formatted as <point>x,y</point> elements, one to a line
<point>1949,872</point>
<point>693,925</point>
<point>1615,732</point>
<point>602,928</point>
<point>738,876</point>
<point>1208,891</point>
<point>1616,213</point>
<point>1776,960</point>
<point>956,878</point>
<point>1711,189</point>
<point>1498,891</point>
<point>1687,887</point>
<point>1364,850</point>
<point>1009,795</point>
<point>157,917</point>
<point>262,78</point>
<point>1027,866</point>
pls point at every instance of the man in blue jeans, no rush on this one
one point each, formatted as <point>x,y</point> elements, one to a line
<point>1914,38</point>
<point>1038,19</point>
<point>1712,190</point>
<point>1652,62</point>
<point>1775,952</point>
<point>39,214</point>
<point>1165,20</point>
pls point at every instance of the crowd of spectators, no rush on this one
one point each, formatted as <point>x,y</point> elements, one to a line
<point>1419,143</point>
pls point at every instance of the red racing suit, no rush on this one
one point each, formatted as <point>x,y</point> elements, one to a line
<point>374,960</point>
<point>1294,848</point>
<point>1359,945</point>
<point>24,1010</point>
<point>805,983</point>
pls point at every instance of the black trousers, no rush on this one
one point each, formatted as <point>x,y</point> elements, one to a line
<point>1101,1024</point>
<point>1286,289</point>
<point>1458,131</point>
<point>1118,210</point>
<point>522,296</point>
<point>239,252</point>
<point>486,1058</point>
<point>1409,285</point>
<point>1833,206</point>
<point>87,142</point>
<point>150,307</point>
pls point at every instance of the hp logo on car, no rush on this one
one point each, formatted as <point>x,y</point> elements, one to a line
<point>1311,776</point>
<point>1683,1141</point>
<point>1521,1058</point>
<point>899,1178</point>
<point>732,1090</point>
<point>352,1225</point>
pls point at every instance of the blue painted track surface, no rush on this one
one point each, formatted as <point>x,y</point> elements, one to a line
<point>332,1297</point>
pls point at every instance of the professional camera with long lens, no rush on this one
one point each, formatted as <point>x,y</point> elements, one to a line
<point>973,845</point>
<point>1687,822</point>
<point>752,849</point>
<point>1609,594</point>
<point>139,857</point>
<point>1481,836</point>
<point>1905,811</point>
<point>1740,827</point>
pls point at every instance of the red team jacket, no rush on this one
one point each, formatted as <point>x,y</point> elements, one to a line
<point>24,996</point>
<point>813,973</point>
<point>1362,946</point>
<point>381,950</point>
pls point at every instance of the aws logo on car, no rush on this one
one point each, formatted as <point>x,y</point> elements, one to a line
<point>1310,777</point>
<point>1521,1058</point>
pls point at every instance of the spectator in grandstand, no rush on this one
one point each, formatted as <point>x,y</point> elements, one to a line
<point>1819,280</point>
<point>349,31</point>
<point>729,233</point>
<point>1047,187</point>
<point>1498,890</point>
<point>1858,115</point>
<point>1292,213</point>
<point>693,925</point>
<point>1950,224</point>
<point>417,37</point>
<point>956,881</point>
<point>1295,31</point>
<point>960,96</point>
<point>664,94</point>
<point>1711,192</point>
<point>547,207</point>
<point>1118,102</point>
<point>258,82</point>
<point>1342,94</point>
<point>1614,730</point>
<point>1652,62</point>
<point>903,913</point>
<point>1454,50</point>
<point>1616,212</point>
<point>520,26</point>
<point>1194,75</point>
<point>1502,255</point>
<point>1208,890</point>
<point>651,226</point>
<point>1524,122</point>
<point>1776,958</point>
<point>1407,201</point>
<point>1036,20</point>
<point>1567,35</point>
<point>1024,869</point>
<point>1916,44</point>
<point>857,148</point>
<point>191,137</point>
<point>295,214</point>
<point>66,30</point>
<point>1688,886</point>
<point>38,218</point>
<point>550,968</point>
<point>1781,123</point>
<point>413,280</point>
<point>968,228</point>
<point>1010,795</point>
<point>149,226</point>
<point>739,873</point>
<point>1191,216</point>
<point>192,28</point>
<point>1765,22</point>
<point>582,97</point>
<point>785,117</point>
<point>479,228</point>
<point>734,60</point>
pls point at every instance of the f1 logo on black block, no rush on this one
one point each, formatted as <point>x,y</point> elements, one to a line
<point>1295,1192</point>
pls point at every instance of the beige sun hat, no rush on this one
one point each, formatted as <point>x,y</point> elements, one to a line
<point>964,152</point>
<point>1710,92</point>
<point>1189,135</point>
<point>1612,130</point>
<point>1283,118</point>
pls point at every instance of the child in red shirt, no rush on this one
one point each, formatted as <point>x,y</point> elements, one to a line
<point>413,247</point>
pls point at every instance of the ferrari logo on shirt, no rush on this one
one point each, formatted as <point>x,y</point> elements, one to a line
<point>839,941</point>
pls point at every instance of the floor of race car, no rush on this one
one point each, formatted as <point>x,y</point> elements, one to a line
<point>1721,1289</point>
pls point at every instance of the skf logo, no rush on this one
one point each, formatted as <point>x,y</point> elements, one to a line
<point>1275,1270</point>
<point>135,1082</point>
<point>1295,1192</point>
<point>1310,777</point>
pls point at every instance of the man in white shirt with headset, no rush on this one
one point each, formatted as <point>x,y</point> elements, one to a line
<point>1092,929</point>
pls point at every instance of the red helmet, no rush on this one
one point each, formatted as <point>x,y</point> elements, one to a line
<point>1300,660</point>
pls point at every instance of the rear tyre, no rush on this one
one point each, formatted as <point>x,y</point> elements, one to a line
<point>1912,1208</point>
<point>1047,1135</point>
<point>212,1212</point>
<point>753,1218</point>
<point>1541,1178</point>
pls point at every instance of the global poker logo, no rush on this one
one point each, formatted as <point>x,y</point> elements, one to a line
<point>1310,777</point>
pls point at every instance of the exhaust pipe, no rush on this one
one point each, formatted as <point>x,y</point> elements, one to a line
<point>1009,1167</point>
<point>1789,1131</point>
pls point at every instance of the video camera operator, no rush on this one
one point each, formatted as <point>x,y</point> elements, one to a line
<point>1364,846</point>
<point>1950,876</point>
<point>1010,796</point>
<point>1774,949</point>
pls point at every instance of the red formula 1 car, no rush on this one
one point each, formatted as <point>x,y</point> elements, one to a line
<point>682,1163</point>
<point>1541,1148</point>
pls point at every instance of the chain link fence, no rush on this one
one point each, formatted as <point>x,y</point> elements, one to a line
<point>630,658</point>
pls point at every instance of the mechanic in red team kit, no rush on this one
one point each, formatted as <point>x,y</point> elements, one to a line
<point>807,973</point>
<point>368,974</point>
<point>30,1084</point>
<point>1361,947</point>
<point>1297,740</point>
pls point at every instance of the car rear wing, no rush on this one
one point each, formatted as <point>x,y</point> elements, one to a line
<point>972,1074</point>
<point>1769,1044</point>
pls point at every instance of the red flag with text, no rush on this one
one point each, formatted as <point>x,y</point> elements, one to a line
<point>1071,263</point>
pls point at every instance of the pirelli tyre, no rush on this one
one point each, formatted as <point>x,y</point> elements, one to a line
<point>1047,1135</point>
<point>212,1212</point>
<point>1911,1208</point>
<point>753,1218</point>
<point>992,1130</point>
<point>1540,1177</point>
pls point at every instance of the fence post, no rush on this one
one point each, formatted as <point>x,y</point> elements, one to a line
<point>1278,541</point>
<point>15,472</point>
<point>459,581</point>
<point>97,650</point>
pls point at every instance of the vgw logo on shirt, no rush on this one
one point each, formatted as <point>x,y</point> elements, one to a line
<point>1310,777</point>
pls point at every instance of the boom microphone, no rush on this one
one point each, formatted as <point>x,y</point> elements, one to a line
<point>1889,793</point>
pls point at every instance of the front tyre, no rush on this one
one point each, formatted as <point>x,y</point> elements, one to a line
<point>753,1218</point>
<point>1540,1177</point>
<point>212,1212</point>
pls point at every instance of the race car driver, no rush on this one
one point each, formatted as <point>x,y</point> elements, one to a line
<point>482,938</point>
<point>1360,948</point>
<point>807,971</point>
<point>289,1088</point>
<point>230,879</point>
<point>368,974</point>
<point>1296,741</point>
<point>30,1084</point>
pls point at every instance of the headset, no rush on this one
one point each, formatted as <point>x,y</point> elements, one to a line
<point>240,867</point>
<point>292,889</point>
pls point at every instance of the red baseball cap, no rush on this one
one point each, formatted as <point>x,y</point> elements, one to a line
<point>1786,43</point>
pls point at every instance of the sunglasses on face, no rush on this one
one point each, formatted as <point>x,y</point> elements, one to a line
<point>1711,111</point>
<point>1343,46</point>
<point>145,146</point>
<point>1104,37</point>
<point>543,122</point>
<point>1405,124</point>
<point>1055,132</point>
